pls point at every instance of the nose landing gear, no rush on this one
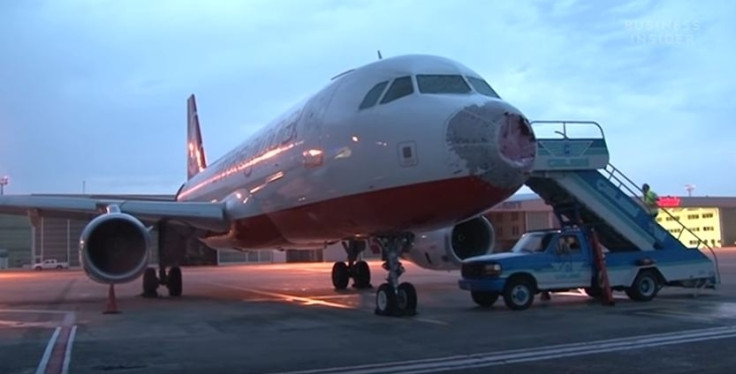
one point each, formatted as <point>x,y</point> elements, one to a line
<point>394,298</point>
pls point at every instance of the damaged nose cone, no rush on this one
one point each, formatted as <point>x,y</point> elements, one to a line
<point>516,141</point>
<point>495,143</point>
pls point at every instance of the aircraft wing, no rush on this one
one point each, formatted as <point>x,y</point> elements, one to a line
<point>199,214</point>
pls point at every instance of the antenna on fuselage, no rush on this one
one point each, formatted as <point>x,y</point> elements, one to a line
<point>379,55</point>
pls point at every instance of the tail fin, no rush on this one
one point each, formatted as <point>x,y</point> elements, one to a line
<point>196,161</point>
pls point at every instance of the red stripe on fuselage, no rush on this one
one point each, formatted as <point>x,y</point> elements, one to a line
<point>419,207</point>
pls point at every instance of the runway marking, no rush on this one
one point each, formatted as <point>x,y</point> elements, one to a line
<point>47,352</point>
<point>285,297</point>
<point>433,321</point>
<point>680,316</point>
<point>39,311</point>
<point>480,360</point>
<point>581,293</point>
<point>22,324</point>
<point>68,353</point>
<point>57,354</point>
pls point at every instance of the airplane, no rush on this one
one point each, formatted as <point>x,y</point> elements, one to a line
<point>406,152</point>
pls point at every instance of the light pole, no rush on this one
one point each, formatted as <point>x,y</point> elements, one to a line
<point>689,188</point>
<point>3,183</point>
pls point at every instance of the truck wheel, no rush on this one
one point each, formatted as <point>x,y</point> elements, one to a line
<point>484,298</point>
<point>518,293</point>
<point>645,286</point>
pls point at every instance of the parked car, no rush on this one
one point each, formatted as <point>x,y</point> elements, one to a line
<point>50,264</point>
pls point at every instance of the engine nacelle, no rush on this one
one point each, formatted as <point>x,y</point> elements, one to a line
<point>114,248</point>
<point>444,249</point>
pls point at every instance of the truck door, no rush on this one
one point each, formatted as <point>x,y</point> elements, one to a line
<point>572,264</point>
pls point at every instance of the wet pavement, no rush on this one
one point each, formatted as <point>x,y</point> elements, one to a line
<point>287,318</point>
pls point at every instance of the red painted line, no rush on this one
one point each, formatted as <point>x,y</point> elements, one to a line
<point>56,361</point>
<point>58,358</point>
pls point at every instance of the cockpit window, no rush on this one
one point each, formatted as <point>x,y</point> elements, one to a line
<point>434,84</point>
<point>401,87</point>
<point>371,98</point>
<point>482,87</point>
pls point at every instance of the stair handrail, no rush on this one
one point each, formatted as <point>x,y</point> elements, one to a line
<point>638,192</point>
<point>564,124</point>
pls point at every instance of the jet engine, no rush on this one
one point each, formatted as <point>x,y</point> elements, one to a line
<point>114,248</point>
<point>444,249</point>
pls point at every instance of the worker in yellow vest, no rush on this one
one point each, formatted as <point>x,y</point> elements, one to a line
<point>651,200</point>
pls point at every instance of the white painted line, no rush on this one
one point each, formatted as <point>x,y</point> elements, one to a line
<point>68,353</point>
<point>479,360</point>
<point>47,353</point>
<point>677,315</point>
<point>433,321</point>
<point>35,311</point>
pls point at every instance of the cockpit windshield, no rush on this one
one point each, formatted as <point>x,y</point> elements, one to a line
<point>533,242</point>
<point>442,83</point>
<point>482,87</point>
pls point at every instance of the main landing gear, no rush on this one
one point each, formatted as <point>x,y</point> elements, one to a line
<point>172,281</point>
<point>392,298</point>
<point>358,270</point>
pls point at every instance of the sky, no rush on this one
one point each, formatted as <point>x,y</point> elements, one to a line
<point>93,93</point>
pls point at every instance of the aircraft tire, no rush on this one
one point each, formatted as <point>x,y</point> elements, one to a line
<point>406,298</point>
<point>385,300</point>
<point>150,283</point>
<point>340,275</point>
<point>362,275</point>
<point>174,283</point>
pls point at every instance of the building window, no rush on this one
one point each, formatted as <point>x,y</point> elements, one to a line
<point>708,228</point>
<point>515,230</point>
<point>499,231</point>
<point>515,216</point>
<point>693,242</point>
<point>707,215</point>
<point>693,216</point>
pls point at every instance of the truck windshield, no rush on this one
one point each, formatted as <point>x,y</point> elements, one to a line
<point>533,242</point>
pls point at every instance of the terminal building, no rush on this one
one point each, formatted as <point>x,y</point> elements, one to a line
<point>712,219</point>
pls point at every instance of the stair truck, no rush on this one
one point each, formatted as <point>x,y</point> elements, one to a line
<point>606,242</point>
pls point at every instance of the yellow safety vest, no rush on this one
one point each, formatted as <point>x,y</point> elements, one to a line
<point>650,200</point>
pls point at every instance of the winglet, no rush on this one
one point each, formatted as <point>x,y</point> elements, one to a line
<point>196,161</point>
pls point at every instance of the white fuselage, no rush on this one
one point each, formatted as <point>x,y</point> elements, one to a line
<point>327,170</point>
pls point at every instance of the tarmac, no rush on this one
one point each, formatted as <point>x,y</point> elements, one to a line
<point>286,318</point>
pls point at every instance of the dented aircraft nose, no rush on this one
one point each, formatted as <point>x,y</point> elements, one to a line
<point>496,142</point>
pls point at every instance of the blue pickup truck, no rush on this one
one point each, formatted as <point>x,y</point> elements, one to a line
<point>558,260</point>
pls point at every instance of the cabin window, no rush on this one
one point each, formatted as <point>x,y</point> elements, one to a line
<point>371,98</point>
<point>482,87</point>
<point>399,88</point>
<point>442,83</point>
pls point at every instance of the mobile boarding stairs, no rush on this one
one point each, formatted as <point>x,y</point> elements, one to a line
<point>574,176</point>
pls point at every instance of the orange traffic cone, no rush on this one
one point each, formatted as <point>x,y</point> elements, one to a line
<point>112,305</point>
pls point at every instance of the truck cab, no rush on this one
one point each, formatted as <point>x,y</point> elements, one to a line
<point>545,260</point>
<point>560,260</point>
